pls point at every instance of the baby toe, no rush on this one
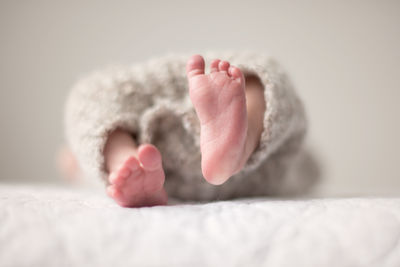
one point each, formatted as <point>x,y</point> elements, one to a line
<point>224,66</point>
<point>114,192</point>
<point>195,66</point>
<point>150,157</point>
<point>236,73</point>
<point>214,65</point>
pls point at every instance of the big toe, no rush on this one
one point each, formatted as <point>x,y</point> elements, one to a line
<point>195,66</point>
<point>149,157</point>
<point>214,173</point>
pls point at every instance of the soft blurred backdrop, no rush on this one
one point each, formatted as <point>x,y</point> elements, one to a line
<point>343,57</point>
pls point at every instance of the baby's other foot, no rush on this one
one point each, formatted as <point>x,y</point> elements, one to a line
<point>220,102</point>
<point>139,180</point>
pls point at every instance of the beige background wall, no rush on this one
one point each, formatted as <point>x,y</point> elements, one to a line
<point>342,55</point>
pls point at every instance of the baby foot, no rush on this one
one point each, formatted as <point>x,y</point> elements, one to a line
<point>139,181</point>
<point>220,102</point>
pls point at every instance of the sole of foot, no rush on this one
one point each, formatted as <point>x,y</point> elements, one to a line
<point>220,102</point>
<point>139,181</point>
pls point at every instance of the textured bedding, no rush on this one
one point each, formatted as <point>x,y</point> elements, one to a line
<point>51,226</point>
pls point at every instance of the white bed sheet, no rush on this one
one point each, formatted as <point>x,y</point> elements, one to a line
<point>49,226</point>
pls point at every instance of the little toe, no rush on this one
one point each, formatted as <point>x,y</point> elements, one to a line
<point>195,66</point>
<point>114,178</point>
<point>224,66</point>
<point>214,65</point>
<point>118,177</point>
<point>112,191</point>
<point>236,73</point>
<point>149,157</point>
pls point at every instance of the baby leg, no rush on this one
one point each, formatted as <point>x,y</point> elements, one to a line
<point>67,164</point>
<point>255,104</point>
<point>230,108</point>
<point>136,176</point>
